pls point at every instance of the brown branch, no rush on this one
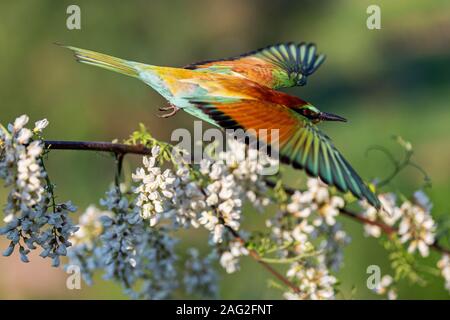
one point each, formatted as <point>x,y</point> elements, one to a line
<point>116,148</point>
<point>258,259</point>
<point>119,148</point>
<point>386,228</point>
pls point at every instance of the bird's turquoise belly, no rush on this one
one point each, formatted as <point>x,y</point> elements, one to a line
<point>199,114</point>
<point>182,101</point>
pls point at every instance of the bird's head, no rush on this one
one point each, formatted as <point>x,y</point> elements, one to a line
<point>316,116</point>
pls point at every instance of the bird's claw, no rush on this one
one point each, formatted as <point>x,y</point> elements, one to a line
<point>173,109</point>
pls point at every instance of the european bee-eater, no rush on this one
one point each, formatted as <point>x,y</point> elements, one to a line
<point>238,93</point>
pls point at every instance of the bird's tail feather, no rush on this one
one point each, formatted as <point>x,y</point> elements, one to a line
<point>105,61</point>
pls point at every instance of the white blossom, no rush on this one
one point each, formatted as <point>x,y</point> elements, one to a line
<point>385,287</point>
<point>314,283</point>
<point>90,226</point>
<point>229,259</point>
<point>155,189</point>
<point>229,262</point>
<point>223,197</point>
<point>40,125</point>
<point>316,199</point>
<point>416,227</point>
<point>18,124</point>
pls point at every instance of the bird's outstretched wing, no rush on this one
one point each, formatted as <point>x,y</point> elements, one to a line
<point>276,66</point>
<point>300,142</point>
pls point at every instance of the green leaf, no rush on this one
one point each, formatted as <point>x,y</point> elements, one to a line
<point>402,262</point>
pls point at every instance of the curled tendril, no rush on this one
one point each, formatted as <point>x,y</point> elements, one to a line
<point>399,165</point>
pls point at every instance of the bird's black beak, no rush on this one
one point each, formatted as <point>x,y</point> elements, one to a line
<point>324,116</point>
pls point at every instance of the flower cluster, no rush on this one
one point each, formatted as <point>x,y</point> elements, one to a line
<point>119,242</point>
<point>230,250</point>
<point>214,200</point>
<point>90,227</point>
<point>20,164</point>
<point>86,242</point>
<point>248,167</point>
<point>120,237</point>
<point>223,198</point>
<point>317,199</point>
<point>334,239</point>
<point>416,226</point>
<point>155,189</point>
<point>188,201</point>
<point>308,225</point>
<point>157,264</point>
<point>29,223</point>
<point>315,283</point>
<point>390,215</point>
<point>199,275</point>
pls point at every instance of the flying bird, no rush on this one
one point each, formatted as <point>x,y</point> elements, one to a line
<point>239,93</point>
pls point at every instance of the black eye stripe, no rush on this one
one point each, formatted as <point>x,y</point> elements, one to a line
<point>311,115</point>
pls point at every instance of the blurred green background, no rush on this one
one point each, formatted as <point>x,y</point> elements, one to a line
<point>390,81</point>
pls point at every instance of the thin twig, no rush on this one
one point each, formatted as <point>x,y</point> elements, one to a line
<point>123,149</point>
<point>259,259</point>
